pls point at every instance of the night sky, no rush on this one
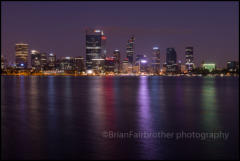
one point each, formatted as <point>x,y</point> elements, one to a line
<point>212,28</point>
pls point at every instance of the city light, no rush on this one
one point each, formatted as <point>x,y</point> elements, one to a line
<point>143,61</point>
<point>97,30</point>
<point>89,72</point>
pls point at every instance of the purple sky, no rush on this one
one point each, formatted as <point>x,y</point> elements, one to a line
<point>212,28</point>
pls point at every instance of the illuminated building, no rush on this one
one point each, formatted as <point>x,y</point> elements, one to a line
<point>116,56</point>
<point>125,65</point>
<point>142,63</point>
<point>67,63</point>
<point>130,49</point>
<point>35,60</point>
<point>209,66</point>
<point>51,61</point>
<point>95,49</point>
<point>189,58</point>
<point>156,60</point>
<point>43,61</point>
<point>21,55</point>
<point>109,64</point>
<point>79,64</point>
<point>232,66</point>
<point>171,59</point>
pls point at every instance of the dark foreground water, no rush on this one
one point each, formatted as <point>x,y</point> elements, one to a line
<point>74,117</point>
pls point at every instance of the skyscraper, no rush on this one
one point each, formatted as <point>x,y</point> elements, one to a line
<point>171,59</point>
<point>95,49</point>
<point>35,60</point>
<point>156,60</point>
<point>189,58</point>
<point>43,61</point>
<point>116,56</point>
<point>51,61</point>
<point>130,49</point>
<point>21,55</point>
<point>79,63</point>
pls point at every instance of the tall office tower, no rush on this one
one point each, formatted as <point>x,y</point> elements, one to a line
<point>95,49</point>
<point>171,60</point>
<point>156,60</point>
<point>130,49</point>
<point>79,64</point>
<point>43,61</point>
<point>35,60</point>
<point>189,58</point>
<point>116,56</point>
<point>21,55</point>
<point>51,61</point>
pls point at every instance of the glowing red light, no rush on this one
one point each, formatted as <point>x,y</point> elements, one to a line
<point>104,38</point>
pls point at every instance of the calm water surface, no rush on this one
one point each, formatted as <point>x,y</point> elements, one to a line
<point>65,117</point>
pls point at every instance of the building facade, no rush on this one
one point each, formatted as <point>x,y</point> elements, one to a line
<point>232,66</point>
<point>171,59</point>
<point>79,64</point>
<point>35,60</point>
<point>189,58</point>
<point>117,56</point>
<point>51,61</point>
<point>21,60</point>
<point>156,60</point>
<point>130,49</point>
<point>95,49</point>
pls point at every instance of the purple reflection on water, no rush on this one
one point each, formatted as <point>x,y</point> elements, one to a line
<point>145,121</point>
<point>144,104</point>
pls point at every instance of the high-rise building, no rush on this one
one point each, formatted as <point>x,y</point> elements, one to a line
<point>35,60</point>
<point>189,58</point>
<point>109,64</point>
<point>142,62</point>
<point>232,66</point>
<point>21,55</point>
<point>43,61</point>
<point>116,56</point>
<point>156,60</point>
<point>67,63</point>
<point>95,49</point>
<point>130,49</point>
<point>171,60</point>
<point>125,65</point>
<point>79,64</point>
<point>51,61</point>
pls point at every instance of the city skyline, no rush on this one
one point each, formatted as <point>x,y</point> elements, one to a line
<point>68,39</point>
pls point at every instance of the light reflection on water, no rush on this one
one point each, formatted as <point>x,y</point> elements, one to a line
<point>64,117</point>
